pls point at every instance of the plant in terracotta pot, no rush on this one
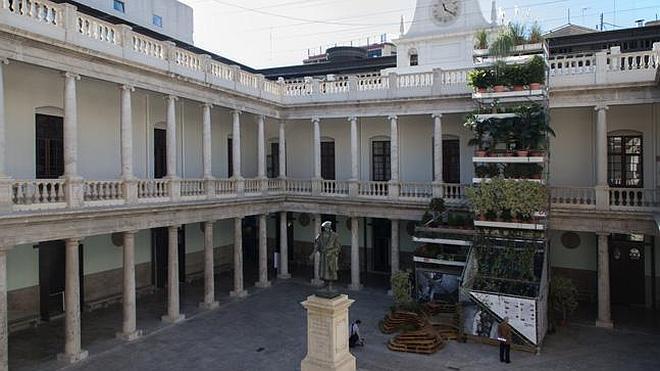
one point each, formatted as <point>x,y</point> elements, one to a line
<point>501,77</point>
<point>478,135</point>
<point>536,72</point>
<point>518,77</point>
<point>480,79</point>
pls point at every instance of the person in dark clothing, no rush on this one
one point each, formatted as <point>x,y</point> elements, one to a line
<point>355,339</point>
<point>504,336</point>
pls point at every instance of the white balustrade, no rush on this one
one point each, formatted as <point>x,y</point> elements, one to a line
<point>222,71</point>
<point>275,185</point>
<point>373,189</point>
<point>252,185</point>
<point>38,194</point>
<point>97,29</point>
<point>416,191</point>
<point>457,77</point>
<point>634,199</point>
<point>248,80</point>
<point>334,87</point>
<point>372,82</point>
<point>187,60</point>
<point>299,186</point>
<point>453,192</point>
<point>334,187</point>
<point>415,80</point>
<point>573,197</point>
<point>193,188</point>
<point>153,190</point>
<point>40,11</point>
<point>298,88</point>
<point>225,187</point>
<point>106,192</point>
<point>572,64</point>
<point>645,60</point>
<point>148,46</point>
<point>272,88</point>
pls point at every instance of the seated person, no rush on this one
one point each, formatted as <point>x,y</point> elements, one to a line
<point>355,338</point>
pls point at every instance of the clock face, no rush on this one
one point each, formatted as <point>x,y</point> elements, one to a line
<point>445,11</point>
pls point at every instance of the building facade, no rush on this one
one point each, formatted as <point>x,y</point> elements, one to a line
<point>128,163</point>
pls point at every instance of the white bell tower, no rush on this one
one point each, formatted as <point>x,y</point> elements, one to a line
<point>441,35</point>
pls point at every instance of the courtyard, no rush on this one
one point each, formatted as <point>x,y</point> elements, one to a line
<point>267,331</point>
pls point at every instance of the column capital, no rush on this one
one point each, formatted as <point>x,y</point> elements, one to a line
<point>352,118</point>
<point>133,231</point>
<point>236,112</point>
<point>603,234</point>
<point>4,59</point>
<point>601,106</point>
<point>392,117</point>
<point>316,120</point>
<point>127,87</point>
<point>208,105</point>
<point>75,240</point>
<point>171,98</point>
<point>177,226</point>
<point>436,115</point>
<point>261,116</point>
<point>71,75</point>
<point>210,221</point>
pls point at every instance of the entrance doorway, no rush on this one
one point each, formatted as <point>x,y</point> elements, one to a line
<point>627,281</point>
<point>380,237</point>
<point>250,240</point>
<point>159,261</point>
<point>52,272</point>
<point>160,153</point>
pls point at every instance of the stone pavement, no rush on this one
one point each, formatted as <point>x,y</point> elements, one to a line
<point>267,331</point>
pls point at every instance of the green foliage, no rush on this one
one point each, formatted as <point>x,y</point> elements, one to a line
<point>503,43</point>
<point>563,296</point>
<point>518,32</point>
<point>536,70</point>
<point>480,78</point>
<point>486,171</point>
<point>535,33</point>
<point>520,199</point>
<point>401,291</point>
<point>437,205</point>
<point>481,39</point>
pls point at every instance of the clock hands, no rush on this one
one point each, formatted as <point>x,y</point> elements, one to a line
<point>447,10</point>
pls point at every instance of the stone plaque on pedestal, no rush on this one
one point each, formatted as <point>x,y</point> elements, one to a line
<point>327,334</point>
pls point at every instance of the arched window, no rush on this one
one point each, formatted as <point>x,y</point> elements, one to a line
<point>49,142</point>
<point>625,159</point>
<point>414,57</point>
<point>380,158</point>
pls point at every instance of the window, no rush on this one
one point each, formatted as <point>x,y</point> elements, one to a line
<point>273,161</point>
<point>380,160</point>
<point>230,158</point>
<point>414,59</point>
<point>157,21</point>
<point>119,6</point>
<point>49,147</point>
<point>624,161</point>
<point>328,160</point>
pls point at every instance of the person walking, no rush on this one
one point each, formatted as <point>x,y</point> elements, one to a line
<point>504,336</point>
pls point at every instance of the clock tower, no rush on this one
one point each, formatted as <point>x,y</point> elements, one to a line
<point>441,35</point>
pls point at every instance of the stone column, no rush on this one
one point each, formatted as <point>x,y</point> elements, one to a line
<point>207,148</point>
<point>327,335</point>
<point>6,203</point>
<point>316,281</point>
<point>282,149</point>
<point>4,329</point>
<point>602,192</point>
<point>395,246</point>
<point>604,312</point>
<point>74,186</point>
<point>236,143</point>
<point>355,255</point>
<point>284,248</point>
<point>437,155</point>
<point>171,136</point>
<point>263,253</point>
<point>353,182</point>
<point>209,262</point>
<point>316,123</point>
<point>173,306</point>
<point>73,351</point>
<point>261,147</point>
<point>126,128</point>
<point>394,157</point>
<point>129,327</point>
<point>238,291</point>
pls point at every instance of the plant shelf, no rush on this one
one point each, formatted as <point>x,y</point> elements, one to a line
<point>486,180</point>
<point>487,116</point>
<point>511,96</point>
<point>510,159</point>
<point>509,225</point>
<point>421,259</point>
<point>442,241</point>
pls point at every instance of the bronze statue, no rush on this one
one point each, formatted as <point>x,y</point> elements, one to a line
<point>328,246</point>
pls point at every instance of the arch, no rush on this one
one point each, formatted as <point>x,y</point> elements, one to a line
<point>160,125</point>
<point>625,132</point>
<point>49,111</point>
<point>327,139</point>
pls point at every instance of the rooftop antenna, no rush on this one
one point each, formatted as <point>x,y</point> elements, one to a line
<point>569,15</point>
<point>583,9</point>
<point>493,13</point>
<point>401,29</point>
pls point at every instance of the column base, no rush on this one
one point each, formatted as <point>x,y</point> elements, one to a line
<point>72,358</point>
<point>238,294</point>
<point>262,285</point>
<point>346,364</point>
<point>131,336</point>
<point>209,306</point>
<point>355,287</point>
<point>317,282</point>
<point>173,320</point>
<point>605,324</point>
<point>284,276</point>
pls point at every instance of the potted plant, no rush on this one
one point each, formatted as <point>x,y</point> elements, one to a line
<point>478,131</point>
<point>536,72</point>
<point>480,79</point>
<point>501,77</point>
<point>563,297</point>
<point>481,39</point>
<point>518,77</point>
<point>503,43</point>
<point>518,32</point>
<point>535,33</point>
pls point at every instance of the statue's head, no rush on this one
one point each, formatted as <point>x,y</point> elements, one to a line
<point>327,225</point>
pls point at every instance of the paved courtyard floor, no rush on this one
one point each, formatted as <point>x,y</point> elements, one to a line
<point>267,331</point>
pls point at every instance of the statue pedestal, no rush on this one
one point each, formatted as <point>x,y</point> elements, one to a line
<point>327,334</point>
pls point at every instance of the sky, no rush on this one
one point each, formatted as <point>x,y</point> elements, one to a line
<point>270,33</point>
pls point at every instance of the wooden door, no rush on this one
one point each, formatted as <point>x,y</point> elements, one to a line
<point>627,272</point>
<point>328,160</point>
<point>160,153</point>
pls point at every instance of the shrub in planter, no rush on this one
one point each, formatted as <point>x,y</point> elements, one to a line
<point>486,171</point>
<point>437,205</point>
<point>503,43</point>
<point>518,77</point>
<point>518,33</point>
<point>563,296</point>
<point>401,290</point>
<point>478,134</point>
<point>480,79</point>
<point>536,72</point>
<point>501,76</point>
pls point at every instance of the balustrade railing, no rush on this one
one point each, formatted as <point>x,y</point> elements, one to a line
<point>195,188</point>
<point>148,46</point>
<point>98,30</point>
<point>225,187</point>
<point>416,190</point>
<point>334,87</point>
<point>222,71</point>
<point>299,186</point>
<point>104,191</point>
<point>415,80</point>
<point>634,198</point>
<point>372,82</point>
<point>453,192</point>
<point>572,64</point>
<point>334,187</point>
<point>153,189</point>
<point>373,189</point>
<point>38,193</point>
<point>252,185</point>
<point>37,10</point>
<point>297,88</point>
<point>275,185</point>
<point>633,61</point>
<point>187,60</point>
<point>573,197</point>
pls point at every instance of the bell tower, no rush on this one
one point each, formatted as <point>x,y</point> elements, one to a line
<point>441,35</point>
